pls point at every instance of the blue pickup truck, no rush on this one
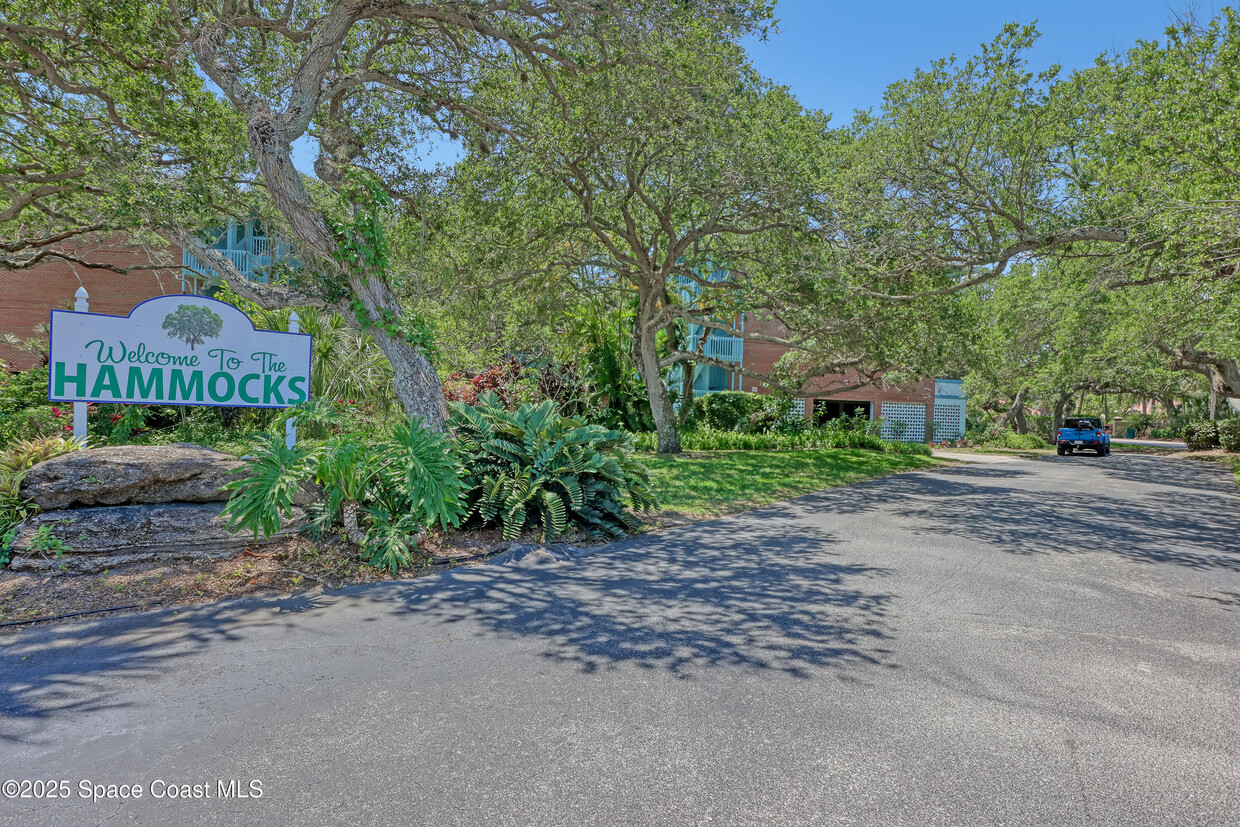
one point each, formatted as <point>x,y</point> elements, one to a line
<point>1080,433</point>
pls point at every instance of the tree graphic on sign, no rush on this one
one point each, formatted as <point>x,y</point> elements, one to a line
<point>193,324</point>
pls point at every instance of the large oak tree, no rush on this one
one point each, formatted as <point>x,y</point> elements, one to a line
<point>164,115</point>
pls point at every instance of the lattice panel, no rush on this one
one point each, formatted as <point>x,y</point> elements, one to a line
<point>913,417</point>
<point>948,419</point>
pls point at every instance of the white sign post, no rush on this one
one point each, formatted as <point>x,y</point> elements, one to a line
<point>174,350</point>
<point>290,427</point>
<point>80,305</point>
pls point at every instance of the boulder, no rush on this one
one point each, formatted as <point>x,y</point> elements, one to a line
<point>102,538</point>
<point>122,474</point>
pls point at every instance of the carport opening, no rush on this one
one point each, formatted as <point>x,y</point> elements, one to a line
<point>828,409</point>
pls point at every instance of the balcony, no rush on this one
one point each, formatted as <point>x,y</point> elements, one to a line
<point>949,389</point>
<point>251,254</point>
<point>725,348</point>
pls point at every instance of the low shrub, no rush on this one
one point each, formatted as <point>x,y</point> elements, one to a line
<point>1023,441</point>
<point>729,410</point>
<point>25,412</point>
<point>1229,434</point>
<point>535,468</point>
<point>516,382</point>
<point>1167,433</point>
<point>383,491</point>
<point>1201,436</point>
<point>708,439</point>
<point>17,459</point>
<point>997,436</point>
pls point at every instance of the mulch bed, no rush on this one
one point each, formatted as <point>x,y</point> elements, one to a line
<point>282,567</point>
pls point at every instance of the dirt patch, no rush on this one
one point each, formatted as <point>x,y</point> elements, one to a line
<point>283,567</point>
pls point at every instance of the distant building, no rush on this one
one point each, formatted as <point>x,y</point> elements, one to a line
<point>27,297</point>
<point>915,412</point>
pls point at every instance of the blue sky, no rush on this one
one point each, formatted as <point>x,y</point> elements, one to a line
<point>840,56</point>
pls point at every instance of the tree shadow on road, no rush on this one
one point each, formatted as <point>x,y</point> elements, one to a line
<point>762,591</point>
<point>724,592</point>
<point>1170,511</point>
<point>766,596</point>
<point>93,667</point>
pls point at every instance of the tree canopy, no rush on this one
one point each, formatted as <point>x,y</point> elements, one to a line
<point>1050,233</point>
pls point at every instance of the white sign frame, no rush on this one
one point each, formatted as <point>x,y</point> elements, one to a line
<point>196,352</point>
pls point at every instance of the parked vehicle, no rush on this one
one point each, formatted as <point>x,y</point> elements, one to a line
<point>1081,433</point>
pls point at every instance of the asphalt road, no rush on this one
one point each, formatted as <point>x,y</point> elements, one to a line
<point>1174,445</point>
<point>1042,642</point>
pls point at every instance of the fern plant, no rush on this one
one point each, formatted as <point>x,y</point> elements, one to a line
<point>18,458</point>
<point>533,468</point>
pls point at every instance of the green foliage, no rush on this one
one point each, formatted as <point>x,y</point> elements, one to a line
<point>709,439</point>
<point>44,540</point>
<point>21,455</point>
<point>419,476</point>
<point>600,340</point>
<point>24,410</point>
<point>384,490</point>
<point>750,413</point>
<point>18,458</point>
<point>535,468</point>
<point>996,436</point>
<point>13,510</point>
<point>1143,423</point>
<point>1201,436</point>
<point>362,246</point>
<point>710,484</point>
<point>346,364</point>
<point>728,410</point>
<point>261,498</point>
<point>1229,434</point>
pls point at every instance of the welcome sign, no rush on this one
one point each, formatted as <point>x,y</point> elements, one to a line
<point>176,350</point>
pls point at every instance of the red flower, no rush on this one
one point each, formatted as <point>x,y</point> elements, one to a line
<point>114,417</point>
<point>68,427</point>
<point>57,412</point>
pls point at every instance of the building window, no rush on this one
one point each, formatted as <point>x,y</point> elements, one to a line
<point>828,409</point>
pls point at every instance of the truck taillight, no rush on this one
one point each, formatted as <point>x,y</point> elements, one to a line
<point>1098,433</point>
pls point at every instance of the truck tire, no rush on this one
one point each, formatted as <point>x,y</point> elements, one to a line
<point>1059,450</point>
<point>1102,452</point>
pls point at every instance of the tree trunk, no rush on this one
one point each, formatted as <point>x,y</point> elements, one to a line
<point>1224,374</point>
<point>646,356</point>
<point>415,381</point>
<point>686,395</point>
<point>1015,416</point>
<point>1062,405</point>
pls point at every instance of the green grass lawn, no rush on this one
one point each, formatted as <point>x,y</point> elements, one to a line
<point>707,484</point>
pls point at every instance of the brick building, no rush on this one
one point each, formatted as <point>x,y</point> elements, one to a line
<point>27,297</point>
<point>914,412</point>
